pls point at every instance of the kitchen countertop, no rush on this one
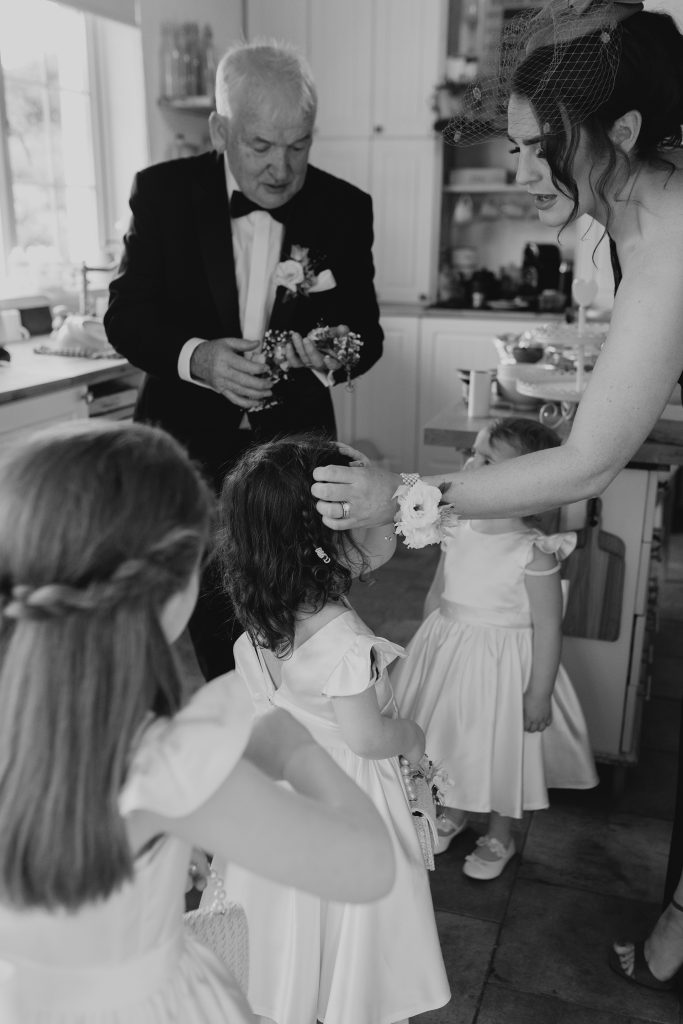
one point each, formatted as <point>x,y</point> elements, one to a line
<point>453,427</point>
<point>29,374</point>
<point>448,312</point>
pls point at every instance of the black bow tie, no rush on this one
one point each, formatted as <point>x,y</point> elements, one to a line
<point>241,206</point>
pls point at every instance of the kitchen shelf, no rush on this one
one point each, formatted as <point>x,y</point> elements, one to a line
<point>481,187</point>
<point>188,104</point>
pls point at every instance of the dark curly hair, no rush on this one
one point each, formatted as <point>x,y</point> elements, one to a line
<point>269,534</point>
<point>649,79</point>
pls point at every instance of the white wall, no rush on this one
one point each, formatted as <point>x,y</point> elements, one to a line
<point>225,18</point>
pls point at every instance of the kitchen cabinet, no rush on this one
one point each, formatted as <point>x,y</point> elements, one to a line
<point>375,66</point>
<point>29,414</point>
<point>448,344</point>
<point>380,415</point>
<point>611,677</point>
<point>38,391</point>
<point>416,377</point>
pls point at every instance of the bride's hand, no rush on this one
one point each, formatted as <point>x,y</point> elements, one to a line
<point>354,496</point>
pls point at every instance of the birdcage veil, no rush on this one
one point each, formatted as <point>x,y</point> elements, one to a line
<point>562,57</point>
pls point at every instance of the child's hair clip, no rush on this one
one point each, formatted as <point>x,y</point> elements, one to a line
<point>323,556</point>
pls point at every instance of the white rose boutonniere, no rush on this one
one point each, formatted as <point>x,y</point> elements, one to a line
<point>289,274</point>
<point>299,274</point>
<point>421,516</point>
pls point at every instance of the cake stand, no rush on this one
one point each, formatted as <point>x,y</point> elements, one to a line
<point>560,398</point>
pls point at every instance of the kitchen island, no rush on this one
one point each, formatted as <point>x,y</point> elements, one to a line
<point>37,390</point>
<point>612,678</point>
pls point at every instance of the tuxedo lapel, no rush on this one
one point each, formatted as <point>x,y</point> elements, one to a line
<point>299,230</point>
<point>210,199</point>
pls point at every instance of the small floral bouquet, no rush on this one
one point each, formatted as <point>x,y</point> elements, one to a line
<point>273,355</point>
<point>345,348</point>
<point>424,784</point>
<point>422,516</point>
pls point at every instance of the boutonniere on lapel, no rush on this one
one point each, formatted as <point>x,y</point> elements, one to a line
<point>302,273</point>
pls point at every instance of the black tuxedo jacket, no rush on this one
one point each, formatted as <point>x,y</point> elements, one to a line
<point>177,281</point>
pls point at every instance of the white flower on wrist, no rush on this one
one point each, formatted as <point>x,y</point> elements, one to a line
<point>421,517</point>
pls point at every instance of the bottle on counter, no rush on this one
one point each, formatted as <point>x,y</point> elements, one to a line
<point>566,278</point>
<point>208,64</point>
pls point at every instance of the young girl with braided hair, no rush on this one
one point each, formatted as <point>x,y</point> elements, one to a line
<point>110,771</point>
<point>306,650</point>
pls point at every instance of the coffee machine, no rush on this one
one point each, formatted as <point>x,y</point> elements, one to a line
<point>540,270</point>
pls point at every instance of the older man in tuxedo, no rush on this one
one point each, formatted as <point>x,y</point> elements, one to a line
<point>199,284</point>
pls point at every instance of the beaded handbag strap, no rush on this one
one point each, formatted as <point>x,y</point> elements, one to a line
<point>218,902</point>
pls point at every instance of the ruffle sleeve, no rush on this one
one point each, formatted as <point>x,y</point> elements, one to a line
<point>181,761</point>
<point>362,665</point>
<point>559,544</point>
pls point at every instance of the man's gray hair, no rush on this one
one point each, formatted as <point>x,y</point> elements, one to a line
<point>247,66</point>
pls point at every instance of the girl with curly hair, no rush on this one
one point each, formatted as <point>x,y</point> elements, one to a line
<point>305,649</point>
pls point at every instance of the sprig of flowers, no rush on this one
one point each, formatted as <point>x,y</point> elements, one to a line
<point>345,348</point>
<point>433,774</point>
<point>422,516</point>
<point>273,354</point>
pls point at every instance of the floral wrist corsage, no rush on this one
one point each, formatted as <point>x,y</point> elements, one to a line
<point>345,348</point>
<point>422,514</point>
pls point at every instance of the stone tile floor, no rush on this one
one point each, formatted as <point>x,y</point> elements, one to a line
<point>531,947</point>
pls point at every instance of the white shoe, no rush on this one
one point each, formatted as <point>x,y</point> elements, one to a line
<point>484,870</point>
<point>447,831</point>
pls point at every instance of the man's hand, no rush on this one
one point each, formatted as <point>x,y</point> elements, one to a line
<point>303,353</point>
<point>229,366</point>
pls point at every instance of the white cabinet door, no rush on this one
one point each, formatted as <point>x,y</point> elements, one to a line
<point>405,199</point>
<point>409,53</point>
<point>345,158</point>
<point>29,414</point>
<point>341,58</point>
<point>605,673</point>
<point>380,413</point>
<point>286,20</point>
<point>446,346</point>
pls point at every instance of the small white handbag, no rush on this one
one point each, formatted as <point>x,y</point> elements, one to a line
<point>222,927</point>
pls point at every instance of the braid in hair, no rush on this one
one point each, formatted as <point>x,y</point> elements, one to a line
<point>132,577</point>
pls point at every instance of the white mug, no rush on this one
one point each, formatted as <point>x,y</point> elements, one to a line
<point>479,393</point>
<point>11,327</point>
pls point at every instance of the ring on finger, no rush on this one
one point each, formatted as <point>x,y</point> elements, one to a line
<point>346,509</point>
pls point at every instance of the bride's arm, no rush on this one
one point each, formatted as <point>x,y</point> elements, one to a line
<point>629,387</point>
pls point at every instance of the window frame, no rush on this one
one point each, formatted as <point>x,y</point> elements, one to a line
<point>98,90</point>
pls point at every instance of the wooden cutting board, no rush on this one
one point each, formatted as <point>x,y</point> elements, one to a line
<point>595,570</point>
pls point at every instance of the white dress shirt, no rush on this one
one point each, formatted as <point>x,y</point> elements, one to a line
<point>256,245</point>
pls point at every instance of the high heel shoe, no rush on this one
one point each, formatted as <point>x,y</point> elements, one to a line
<point>642,975</point>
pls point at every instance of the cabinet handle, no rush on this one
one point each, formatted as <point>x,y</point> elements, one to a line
<point>378,129</point>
